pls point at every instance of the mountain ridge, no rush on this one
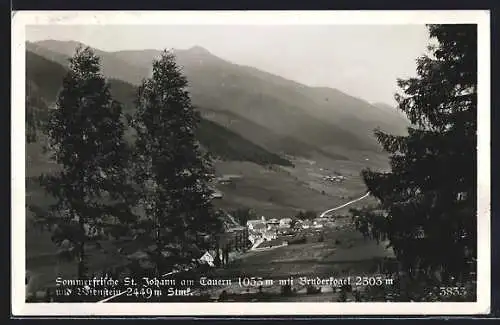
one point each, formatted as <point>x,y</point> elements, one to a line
<point>44,79</point>
<point>319,116</point>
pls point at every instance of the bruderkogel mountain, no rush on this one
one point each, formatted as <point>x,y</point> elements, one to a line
<point>40,67</point>
<point>318,117</point>
<point>344,112</point>
<point>261,135</point>
<point>44,79</point>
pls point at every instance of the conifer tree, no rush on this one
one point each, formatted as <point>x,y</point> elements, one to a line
<point>173,172</point>
<point>430,192</point>
<point>85,138</point>
<point>35,112</point>
<point>30,119</point>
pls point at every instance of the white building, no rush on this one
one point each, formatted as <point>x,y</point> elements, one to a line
<point>256,225</point>
<point>269,235</point>
<point>273,223</point>
<point>285,221</point>
<point>207,258</point>
<point>306,224</point>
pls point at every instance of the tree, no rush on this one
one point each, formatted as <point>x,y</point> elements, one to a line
<point>242,215</point>
<point>371,222</point>
<point>30,118</point>
<point>172,170</point>
<point>430,192</point>
<point>36,112</point>
<point>306,215</point>
<point>85,137</point>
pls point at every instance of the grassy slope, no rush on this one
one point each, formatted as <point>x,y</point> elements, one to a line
<point>47,75</point>
<point>284,191</point>
<point>344,112</point>
<point>265,137</point>
<point>323,259</point>
<point>319,117</point>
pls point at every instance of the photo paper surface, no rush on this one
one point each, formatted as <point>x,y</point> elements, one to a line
<point>250,163</point>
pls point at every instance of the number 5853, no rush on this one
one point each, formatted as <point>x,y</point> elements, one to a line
<point>452,291</point>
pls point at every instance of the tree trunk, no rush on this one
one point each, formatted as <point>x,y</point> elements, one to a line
<point>81,260</point>
<point>81,249</point>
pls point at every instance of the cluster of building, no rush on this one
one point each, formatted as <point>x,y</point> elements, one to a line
<point>335,178</point>
<point>262,232</point>
<point>266,230</point>
<point>317,223</point>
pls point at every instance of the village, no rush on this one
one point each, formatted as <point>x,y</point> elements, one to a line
<point>266,234</point>
<point>270,233</point>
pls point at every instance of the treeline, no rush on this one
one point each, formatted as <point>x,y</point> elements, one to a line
<point>156,188</point>
<point>229,145</point>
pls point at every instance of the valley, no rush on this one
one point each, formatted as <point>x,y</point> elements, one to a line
<point>282,140</point>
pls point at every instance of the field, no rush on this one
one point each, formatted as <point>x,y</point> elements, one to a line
<point>274,191</point>
<point>339,253</point>
<point>260,275</point>
<point>283,191</point>
<point>342,254</point>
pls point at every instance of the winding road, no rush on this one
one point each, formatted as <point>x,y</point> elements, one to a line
<point>321,216</point>
<point>343,205</point>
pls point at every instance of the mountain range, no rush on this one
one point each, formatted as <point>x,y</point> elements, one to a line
<point>43,81</point>
<point>246,112</point>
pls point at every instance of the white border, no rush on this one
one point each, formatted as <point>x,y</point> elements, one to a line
<point>21,19</point>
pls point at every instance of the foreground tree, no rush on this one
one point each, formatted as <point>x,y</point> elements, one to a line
<point>171,170</point>
<point>306,215</point>
<point>85,135</point>
<point>31,125</point>
<point>430,193</point>
<point>36,112</point>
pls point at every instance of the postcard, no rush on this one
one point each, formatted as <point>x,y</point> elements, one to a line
<point>250,163</point>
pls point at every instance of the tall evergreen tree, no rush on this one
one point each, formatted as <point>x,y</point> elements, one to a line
<point>36,112</point>
<point>85,137</point>
<point>30,119</point>
<point>430,192</point>
<point>171,168</point>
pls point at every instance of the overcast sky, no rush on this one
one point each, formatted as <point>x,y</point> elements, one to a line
<point>361,60</point>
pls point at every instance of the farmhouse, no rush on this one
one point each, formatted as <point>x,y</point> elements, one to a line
<point>208,259</point>
<point>306,224</point>
<point>273,222</point>
<point>256,225</point>
<point>269,235</point>
<point>285,222</point>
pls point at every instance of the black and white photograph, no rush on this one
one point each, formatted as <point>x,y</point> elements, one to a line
<point>263,162</point>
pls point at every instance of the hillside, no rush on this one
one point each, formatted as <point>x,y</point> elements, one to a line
<point>44,79</point>
<point>343,111</point>
<point>321,119</point>
<point>272,141</point>
<point>112,67</point>
<point>231,146</point>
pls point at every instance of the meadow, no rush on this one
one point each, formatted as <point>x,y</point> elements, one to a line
<point>273,191</point>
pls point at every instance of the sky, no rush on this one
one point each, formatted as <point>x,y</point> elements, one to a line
<point>361,60</point>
